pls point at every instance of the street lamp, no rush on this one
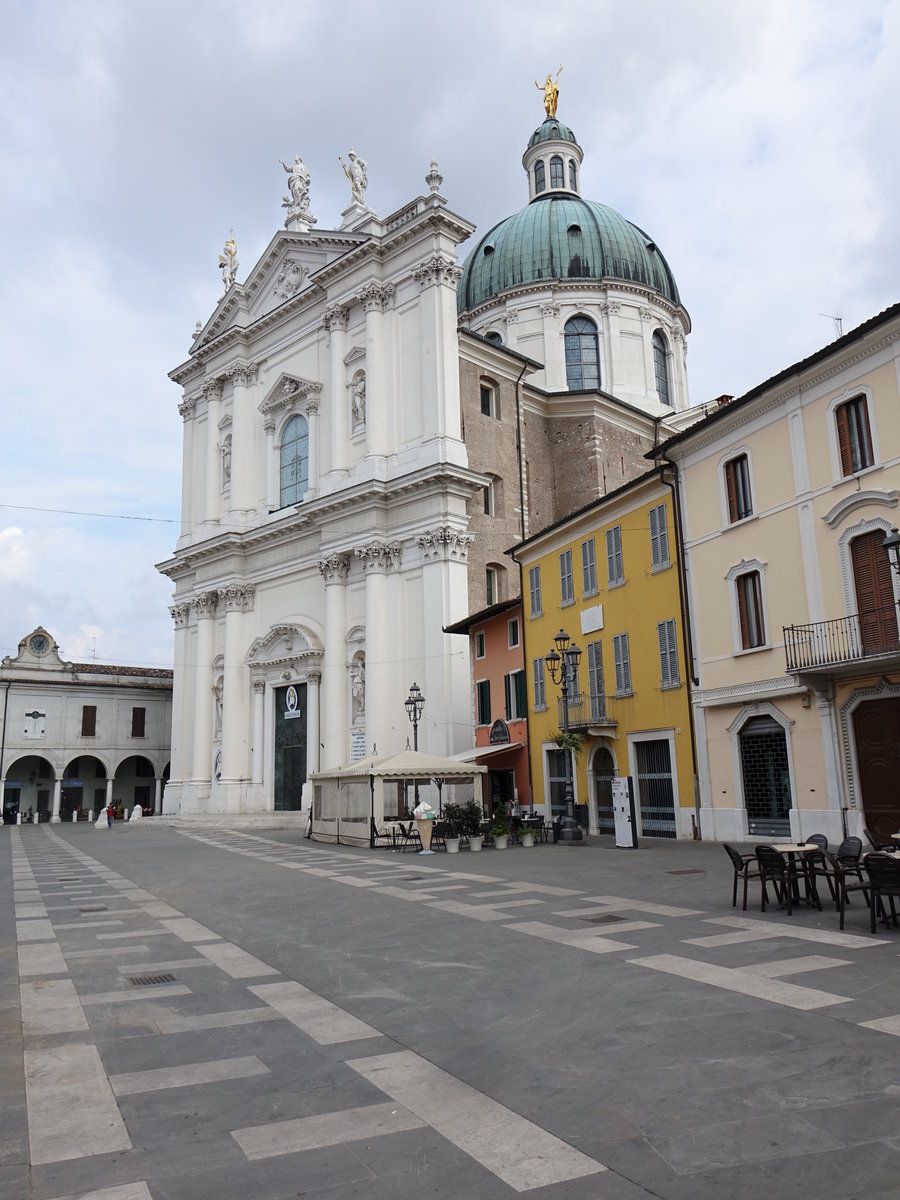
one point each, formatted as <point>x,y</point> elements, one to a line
<point>562,663</point>
<point>415,703</point>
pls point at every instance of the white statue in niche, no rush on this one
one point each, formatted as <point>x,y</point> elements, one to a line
<point>358,175</point>
<point>358,399</point>
<point>358,688</point>
<point>218,691</point>
<point>226,461</point>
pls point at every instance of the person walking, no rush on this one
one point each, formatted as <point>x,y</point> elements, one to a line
<point>110,813</point>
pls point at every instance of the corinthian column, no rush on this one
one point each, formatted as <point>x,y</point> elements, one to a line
<point>336,324</point>
<point>243,444</point>
<point>236,599</point>
<point>188,473</point>
<point>312,418</point>
<point>437,279</point>
<point>334,574</point>
<point>204,701</point>
<point>375,298</point>
<point>313,680</point>
<point>182,692</point>
<point>379,560</point>
<point>259,696</point>
<point>212,508</point>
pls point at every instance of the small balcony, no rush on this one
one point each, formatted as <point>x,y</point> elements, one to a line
<point>833,647</point>
<point>589,712</point>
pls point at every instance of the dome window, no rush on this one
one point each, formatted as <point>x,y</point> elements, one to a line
<point>582,355</point>
<point>573,177</point>
<point>557,178</point>
<point>661,368</point>
<point>574,231</point>
<point>494,337</point>
<point>540,180</point>
<point>488,250</point>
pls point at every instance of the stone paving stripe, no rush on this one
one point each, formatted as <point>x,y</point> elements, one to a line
<point>51,1006</point>
<point>732,939</point>
<point>218,1020</point>
<point>407,893</point>
<point>35,931</point>
<point>106,952</point>
<point>189,930</point>
<point>476,912</point>
<point>326,872</point>
<point>795,966</point>
<point>356,881</point>
<point>160,1079</point>
<point>492,895</point>
<point>138,994</point>
<point>326,1129</point>
<point>514,1149</point>
<point>618,926</point>
<point>595,943</point>
<point>43,959</point>
<point>826,937</point>
<point>25,912</point>
<point>544,889</point>
<point>323,1021</point>
<point>160,909</point>
<point>619,903</point>
<point>791,995</point>
<point>157,968</point>
<point>109,937</point>
<point>124,1191</point>
<point>234,961</point>
<point>72,1112</point>
<point>62,926</point>
<point>883,1025</point>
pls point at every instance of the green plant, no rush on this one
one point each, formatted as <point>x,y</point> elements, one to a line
<point>454,820</point>
<point>500,824</point>
<point>572,741</point>
<point>472,818</point>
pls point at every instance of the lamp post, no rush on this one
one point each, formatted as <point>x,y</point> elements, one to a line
<point>562,663</point>
<point>415,704</point>
<point>892,545</point>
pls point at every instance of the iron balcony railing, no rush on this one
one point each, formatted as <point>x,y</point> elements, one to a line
<point>871,634</point>
<point>587,710</point>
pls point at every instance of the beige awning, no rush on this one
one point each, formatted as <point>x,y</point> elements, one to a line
<point>478,752</point>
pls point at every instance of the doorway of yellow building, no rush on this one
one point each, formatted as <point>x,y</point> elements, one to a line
<point>603,769</point>
<point>876,727</point>
<point>655,789</point>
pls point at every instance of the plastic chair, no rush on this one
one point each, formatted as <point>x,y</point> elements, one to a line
<point>741,864</point>
<point>775,868</point>
<point>884,880</point>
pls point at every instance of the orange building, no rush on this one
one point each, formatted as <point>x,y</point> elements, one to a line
<point>499,702</point>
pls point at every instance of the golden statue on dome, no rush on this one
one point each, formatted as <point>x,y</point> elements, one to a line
<point>551,93</point>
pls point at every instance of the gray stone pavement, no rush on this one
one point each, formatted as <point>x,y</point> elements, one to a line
<point>232,1014</point>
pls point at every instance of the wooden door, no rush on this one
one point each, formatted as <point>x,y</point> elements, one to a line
<point>876,728</point>
<point>874,594</point>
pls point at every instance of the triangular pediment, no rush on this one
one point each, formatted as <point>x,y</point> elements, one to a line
<point>288,391</point>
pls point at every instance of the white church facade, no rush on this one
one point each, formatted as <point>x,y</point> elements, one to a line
<point>368,427</point>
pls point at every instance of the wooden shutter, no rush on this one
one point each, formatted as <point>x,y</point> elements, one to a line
<point>521,694</point>
<point>731,489</point>
<point>507,692</point>
<point>595,680</point>
<point>138,716</point>
<point>89,720</point>
<point>874,593</point>
<point>668,653</point>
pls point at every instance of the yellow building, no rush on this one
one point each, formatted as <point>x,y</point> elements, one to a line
<point>608,576</point>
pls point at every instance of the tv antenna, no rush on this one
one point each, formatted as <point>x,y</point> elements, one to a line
<point>838,322</point>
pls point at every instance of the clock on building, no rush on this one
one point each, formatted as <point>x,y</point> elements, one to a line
<point>39,644</point>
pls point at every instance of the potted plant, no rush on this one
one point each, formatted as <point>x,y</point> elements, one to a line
<point>500,827</point>
<point>454,823</point>
<point>472,819</point>
<point>526,836</point>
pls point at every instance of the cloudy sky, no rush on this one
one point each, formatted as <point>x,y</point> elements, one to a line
<point>756,140</point>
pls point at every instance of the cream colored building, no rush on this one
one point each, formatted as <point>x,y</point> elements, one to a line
<point>786,496</point>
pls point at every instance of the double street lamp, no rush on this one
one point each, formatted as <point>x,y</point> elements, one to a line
<point>562,663</point>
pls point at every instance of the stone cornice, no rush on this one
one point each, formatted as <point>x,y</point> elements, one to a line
<point>559,289</point>
<point>742,693</point>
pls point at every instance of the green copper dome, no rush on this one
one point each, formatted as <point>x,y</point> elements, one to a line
<point>552,131</point>
<point>562,237</point>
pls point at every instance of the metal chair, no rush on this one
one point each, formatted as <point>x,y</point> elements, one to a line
<point>408,836</point>
<point>884,880</point>
<point>775,868</point>
<point>741,864</point>
<point>878,843</point>
<point>844,864</point>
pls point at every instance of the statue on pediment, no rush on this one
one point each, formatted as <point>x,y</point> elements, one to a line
<point>358,175</point>
<point>228,262</point>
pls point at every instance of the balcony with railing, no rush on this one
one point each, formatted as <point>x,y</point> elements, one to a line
<point>829,647</point>
<point>587,711</point>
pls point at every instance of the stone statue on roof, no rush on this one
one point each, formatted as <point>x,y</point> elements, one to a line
<point>358,176</point>
<point>228,262</point>
<point>551,92</point>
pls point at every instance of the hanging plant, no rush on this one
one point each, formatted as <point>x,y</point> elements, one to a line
<point>572,741</point>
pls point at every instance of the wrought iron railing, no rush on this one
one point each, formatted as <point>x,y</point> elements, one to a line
<point>871,634</point>
<point>587,710</point>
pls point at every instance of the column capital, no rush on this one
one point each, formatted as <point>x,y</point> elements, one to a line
<point>376,297</point>
<point>259,686</point>
<point>237,597</point>
<point>511,316</point>
<point>312,405</point>
<point>212,388</point>
<point>180,614</point>
<point>335,317</point>
<point>243,372</point>
<point>378,557</point>
<point>334,569</point>
<point>550,311</point>
<point>446,544</point>
<point>314,677</point>
<point>205,603</point>
<point>439,269</point>
<point>187,406</point>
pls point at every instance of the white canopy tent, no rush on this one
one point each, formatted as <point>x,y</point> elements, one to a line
<point>350,803</point>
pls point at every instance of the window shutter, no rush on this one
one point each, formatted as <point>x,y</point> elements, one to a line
<point>89,720</point>
<point>668,653</point>
<point>137,721</point>
<point>731,489</point>
<point>595,679</point>
<point>507,694</point>
<point>521,694</point>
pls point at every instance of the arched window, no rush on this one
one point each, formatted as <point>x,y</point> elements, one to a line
<point>661,367</point>
<point>573,177</point>
<point>294,461</point>
<point>540,180</point>
<point>494,337</point>
<point>582,354</point>
<point>557,176</point>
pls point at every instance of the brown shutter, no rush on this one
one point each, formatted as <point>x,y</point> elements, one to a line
<point>89,720</point>
<point>732,491</point>
<point>843,432</point>
<point>874,593</point>
<point>137,722</point>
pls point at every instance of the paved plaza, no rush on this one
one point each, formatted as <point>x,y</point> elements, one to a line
<point>194,1013</point>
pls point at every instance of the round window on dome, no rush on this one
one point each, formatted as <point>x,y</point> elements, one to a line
<point>489,249</point>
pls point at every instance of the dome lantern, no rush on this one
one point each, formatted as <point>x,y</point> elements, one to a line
<point>552,160</point>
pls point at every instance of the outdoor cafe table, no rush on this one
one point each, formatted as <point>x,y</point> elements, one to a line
<point>796,852</point>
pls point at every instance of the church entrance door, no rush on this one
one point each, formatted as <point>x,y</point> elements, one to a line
<point>290,746</point>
